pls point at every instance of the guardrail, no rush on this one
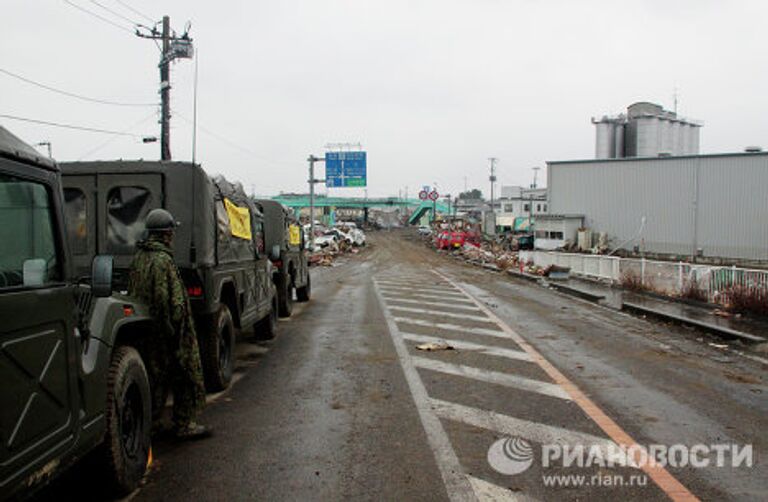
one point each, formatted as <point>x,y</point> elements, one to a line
<point>715,283</point>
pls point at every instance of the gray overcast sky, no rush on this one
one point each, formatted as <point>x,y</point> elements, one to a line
<point>431,88</point>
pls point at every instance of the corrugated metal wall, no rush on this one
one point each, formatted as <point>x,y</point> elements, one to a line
<point>728,190</point>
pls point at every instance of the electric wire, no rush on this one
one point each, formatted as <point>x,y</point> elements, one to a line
<point>116,14</point>
<point>233,144</point>
<point>137,12</point>
<point>98,16</point>
<point>72,94</point>
<point>68,126</point>
<point>113,138</point>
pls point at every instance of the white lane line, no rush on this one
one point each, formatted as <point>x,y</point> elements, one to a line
<point>494,377</point>
<point>466,317</point>
<point>517,355</point>
<point>456,484</point>
<point>468,306</point>
<point>531,431</point>
<point>489,492</point>
<point>425,291</point>
<point>454,327</point>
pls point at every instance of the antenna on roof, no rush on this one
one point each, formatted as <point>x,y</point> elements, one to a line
<point>674,96</point>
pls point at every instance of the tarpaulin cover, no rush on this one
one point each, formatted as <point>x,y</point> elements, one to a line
<point>234,216</point>
<point>127,208</point>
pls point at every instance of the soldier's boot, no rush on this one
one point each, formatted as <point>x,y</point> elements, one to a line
<point>194,430</point>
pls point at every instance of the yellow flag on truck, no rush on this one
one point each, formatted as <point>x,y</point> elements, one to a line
<point>294,235</point>
<point>239,220</point>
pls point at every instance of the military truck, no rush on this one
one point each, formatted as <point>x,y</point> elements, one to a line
<point>219,244</point>
<point>73,378</point>
<point>285,241</point>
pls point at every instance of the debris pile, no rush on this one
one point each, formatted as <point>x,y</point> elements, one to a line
<point>330,243</point>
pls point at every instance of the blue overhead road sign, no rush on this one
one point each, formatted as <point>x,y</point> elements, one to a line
<point>345,169</point>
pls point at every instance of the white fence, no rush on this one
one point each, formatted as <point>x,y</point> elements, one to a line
<point>671,278</point>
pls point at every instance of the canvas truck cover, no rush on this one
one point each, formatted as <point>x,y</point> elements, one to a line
<point>276,218</point>
<point>235,213</point>
<point>12,146</point>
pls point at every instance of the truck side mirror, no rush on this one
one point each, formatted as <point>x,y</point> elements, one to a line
<point>275,252</point>
<point>101,276</point>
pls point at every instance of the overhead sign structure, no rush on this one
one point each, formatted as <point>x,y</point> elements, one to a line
<point>345,169</point>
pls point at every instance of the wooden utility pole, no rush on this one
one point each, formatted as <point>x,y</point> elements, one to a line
<point>165,92</point>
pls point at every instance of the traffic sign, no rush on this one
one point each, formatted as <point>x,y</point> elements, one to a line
<point>433,195</point>
<point>423,195</point>
<point>345,169</point>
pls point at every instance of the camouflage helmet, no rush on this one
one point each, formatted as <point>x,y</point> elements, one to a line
<point>160,220</point>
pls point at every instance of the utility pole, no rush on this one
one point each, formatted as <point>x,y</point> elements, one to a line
<point>173,47</point>
<point>48,144</point>
<point>535,176</point>
<point>312,181</point>
<point>492,178</point>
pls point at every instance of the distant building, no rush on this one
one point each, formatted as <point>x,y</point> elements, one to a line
<point>694,205</point>
<point>519,202</point>
<point>646,130</point>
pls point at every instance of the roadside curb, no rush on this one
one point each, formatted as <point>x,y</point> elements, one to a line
<point>711,328</point>
<point>592,297</point>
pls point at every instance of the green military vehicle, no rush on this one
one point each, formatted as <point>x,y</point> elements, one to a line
<point>73,378</point>
<point>286,244</point>
<point>219,245</point>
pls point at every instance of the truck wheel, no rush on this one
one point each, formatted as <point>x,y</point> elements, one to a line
<point>218,349</point>
<point>284,295</point>
<point>128,420</point>
<point>266,329</point>
<point>303,293</point>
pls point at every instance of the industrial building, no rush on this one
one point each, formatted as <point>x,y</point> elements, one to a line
<point>646,130</point>
<point>712,206</point>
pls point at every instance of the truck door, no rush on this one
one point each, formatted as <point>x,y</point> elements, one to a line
<point>124,201</point>
<point>38,348</point>
<point>80,218</point>
<point>261,263</point>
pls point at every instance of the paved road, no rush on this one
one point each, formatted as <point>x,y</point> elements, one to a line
<point>343,406</point>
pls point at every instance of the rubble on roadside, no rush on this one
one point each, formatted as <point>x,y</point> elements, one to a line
<point>330,243</point>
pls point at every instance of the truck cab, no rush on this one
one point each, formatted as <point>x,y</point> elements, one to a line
<point>74,382</point>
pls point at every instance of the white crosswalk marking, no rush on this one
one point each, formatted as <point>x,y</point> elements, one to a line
<point>531,431</point>
<point>466,317</point>
<point>461,345</point>
<point>415,284</point>
<point>391,295</point>
<point>423,291</point>
<point>454,327</point>
<point>451,304</point>
<point>489,492</point>
<point>494,377</point>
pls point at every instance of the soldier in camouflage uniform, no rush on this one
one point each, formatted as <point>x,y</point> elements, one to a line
<point>174,358</point>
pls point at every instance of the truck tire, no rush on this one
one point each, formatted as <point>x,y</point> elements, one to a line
<point>127,439</point>
<point>284,295</point>
<point>266,329</point>
<point>217,350</point>
<point>303,293</point>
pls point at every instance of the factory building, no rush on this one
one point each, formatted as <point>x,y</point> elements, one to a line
<point>646,130</point>
<point>712,206</point>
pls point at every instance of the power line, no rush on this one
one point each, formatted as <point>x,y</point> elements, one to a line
<point>232,143</point>
<point>113,138</point>
<point>71,94</point>
<point>117,14</point>
<point>98,16</point>
<point>135,11</point>
<point>68,126</point>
